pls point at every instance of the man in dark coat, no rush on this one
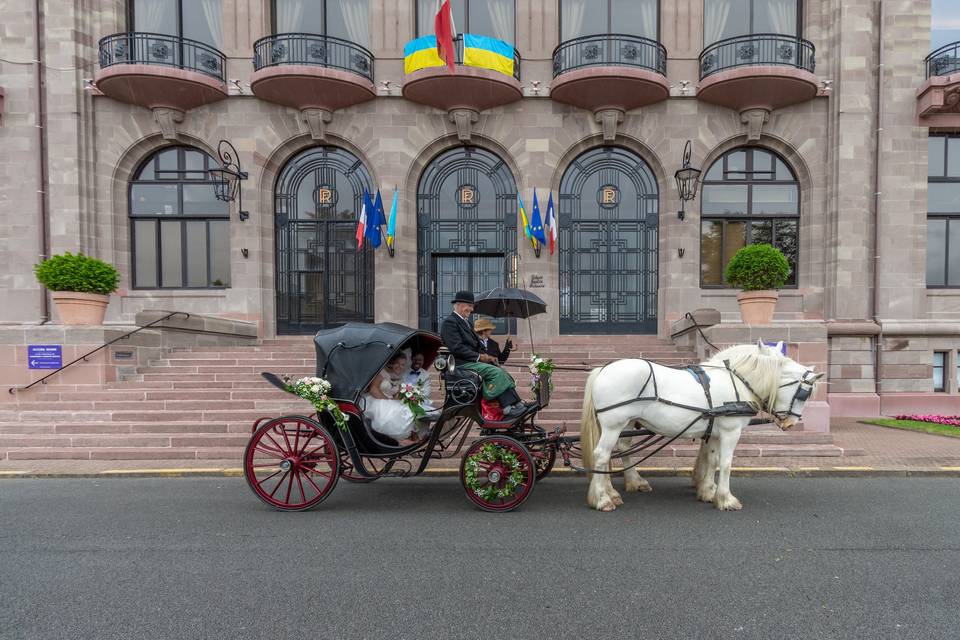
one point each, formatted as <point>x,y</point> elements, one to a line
<point>484,329</point>
<point>459,337</point>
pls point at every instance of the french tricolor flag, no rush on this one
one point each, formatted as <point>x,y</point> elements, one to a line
<point>362,223</point>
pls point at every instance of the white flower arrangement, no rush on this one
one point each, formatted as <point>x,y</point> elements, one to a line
<point>316,391</point>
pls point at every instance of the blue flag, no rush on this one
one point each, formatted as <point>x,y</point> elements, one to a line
<point>372,230</point>
<point>380,217</point>
<point>536,222</point>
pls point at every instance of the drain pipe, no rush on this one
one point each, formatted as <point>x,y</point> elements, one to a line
<point>43,202</point>
<point>877,166</point>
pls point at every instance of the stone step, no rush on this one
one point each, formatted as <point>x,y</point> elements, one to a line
<point>124,453</point>
<point>99,428</point>
<point>113,440</point>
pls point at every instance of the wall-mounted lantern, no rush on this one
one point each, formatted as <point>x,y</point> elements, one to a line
<point>687,180</point>
<point>226,178</point>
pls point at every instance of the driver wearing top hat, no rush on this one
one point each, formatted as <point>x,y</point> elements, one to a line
<point>459,337</point>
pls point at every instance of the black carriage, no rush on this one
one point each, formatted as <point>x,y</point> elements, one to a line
<point>294,462</point>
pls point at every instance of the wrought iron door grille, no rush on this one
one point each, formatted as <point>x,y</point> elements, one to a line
<point>322,280</point>
<point>608,254</point>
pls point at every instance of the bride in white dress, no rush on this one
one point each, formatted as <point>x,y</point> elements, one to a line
<point>388,415</point>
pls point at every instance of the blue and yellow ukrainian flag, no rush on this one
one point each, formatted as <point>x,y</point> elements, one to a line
<point>421,54</point>
<point>488,53</point>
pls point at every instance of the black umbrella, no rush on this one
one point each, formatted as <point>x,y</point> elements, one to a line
<point>508,302</point>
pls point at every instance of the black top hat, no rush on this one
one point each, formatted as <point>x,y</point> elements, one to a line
<point>463,296</point>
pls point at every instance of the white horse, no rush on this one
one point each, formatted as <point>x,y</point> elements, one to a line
<point>759,375</point>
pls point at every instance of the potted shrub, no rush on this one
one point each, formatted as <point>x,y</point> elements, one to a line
<point>81,286</point>
<point>758,269</point>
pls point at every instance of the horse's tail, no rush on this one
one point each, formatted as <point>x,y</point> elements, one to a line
<point>589,427</point>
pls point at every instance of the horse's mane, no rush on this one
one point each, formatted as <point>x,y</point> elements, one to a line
<point>761,371</point>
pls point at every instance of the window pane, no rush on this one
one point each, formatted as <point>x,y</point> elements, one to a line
<point>166,165</point>
<point>953,157</point>
<point>154,200</point>
<point>761,232</point>
<point>762,165</point>
<point>425,9</point>
<point>494,18</point>
<point>350,20</point>
<point>155,16</point>
<point>203,22</point>
<point>634,17</point>
<point>737,161</point>
<point>943,197</point>
<point>775,16</point>
<point>200,199</point>
<point>725,19</point>
<point>197,253</point>
<point>775,199</point>
<point>220,253</point>
<point>145,253</point>
<point>711,252</point>
<point>583,18</point>
<point>953,253</point>
<point>716,171</point>
<point>787,239</point>
<point>936,253</point>
<point>194,165</point>
<point>939,364</point>
<point>299,16</point>
<point>783,171</point>
<point>935,156</point>
<point>734,239</point>
<point>171,252</point>
<point>724,199</point>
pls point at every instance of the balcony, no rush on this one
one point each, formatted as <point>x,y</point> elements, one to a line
<point>487,76</point>
<point>312,72</point>
<point>758,72</point>
<point>610,72</point>
<point>938,99</point>
<point>160,71</point>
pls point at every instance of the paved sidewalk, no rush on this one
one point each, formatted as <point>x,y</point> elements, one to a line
<point>885,451</point>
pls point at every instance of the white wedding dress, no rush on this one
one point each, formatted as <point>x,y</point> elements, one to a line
<point>389,417</point>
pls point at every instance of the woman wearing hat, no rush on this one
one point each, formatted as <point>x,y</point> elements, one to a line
<point>484,328</point>
<point>459,337</point>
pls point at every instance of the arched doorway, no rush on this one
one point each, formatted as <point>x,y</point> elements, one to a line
<point>609,214</point>
<point>466,225</point>
<point>322,280</point>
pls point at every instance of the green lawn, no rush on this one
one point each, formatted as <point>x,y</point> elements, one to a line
<point>914,425</point>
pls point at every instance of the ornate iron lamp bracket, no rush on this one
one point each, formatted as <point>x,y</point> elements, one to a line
<point>227,177</point>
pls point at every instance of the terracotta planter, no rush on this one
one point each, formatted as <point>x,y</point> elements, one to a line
<point>80,308</point>
<point>756,307</point>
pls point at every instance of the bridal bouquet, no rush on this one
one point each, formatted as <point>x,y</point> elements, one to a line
<point>413,397</point>
<point>315,391</point>
<point>539,367</point>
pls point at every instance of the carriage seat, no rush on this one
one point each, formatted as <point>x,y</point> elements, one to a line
<point>512,422</point>
<point>462,386</point>
<point>367,440</point>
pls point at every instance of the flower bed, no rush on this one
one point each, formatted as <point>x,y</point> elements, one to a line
<point>952,421</point>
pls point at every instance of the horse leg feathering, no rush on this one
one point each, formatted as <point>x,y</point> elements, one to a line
<point>705,470</point>
<point>631,477</point>
<point>595,452</point>
<point>724,500</point>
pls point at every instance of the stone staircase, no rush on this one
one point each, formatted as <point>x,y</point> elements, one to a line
<point>199,403</point>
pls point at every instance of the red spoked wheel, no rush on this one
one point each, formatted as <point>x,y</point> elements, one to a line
<point>497,473</point>
<point>291,463</point>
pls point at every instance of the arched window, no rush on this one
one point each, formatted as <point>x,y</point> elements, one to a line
<point>344,19</point>
<point>493,18</point>
<point>730,18</point>
<point>200,20</point>
<point>628,17</point>
<point>749,196</point>
<point>943,211</point>
<point>180,231</point>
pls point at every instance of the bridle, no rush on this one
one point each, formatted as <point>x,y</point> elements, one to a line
<point>804,391</point>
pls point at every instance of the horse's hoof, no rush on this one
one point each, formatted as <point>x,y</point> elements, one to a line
<point>706,494</point>
<point>641,486</point>
<point>729,503</point>
<point>607,506</point>
<point>617,500</point>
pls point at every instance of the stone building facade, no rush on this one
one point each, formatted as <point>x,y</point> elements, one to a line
<point>841,97</point>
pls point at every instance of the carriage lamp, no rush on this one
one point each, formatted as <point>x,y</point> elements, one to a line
<point>687,178</point>
<point>226,178</point>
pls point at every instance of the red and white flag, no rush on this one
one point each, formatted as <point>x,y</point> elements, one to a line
<point>446,32</point>
<point>362,224</point>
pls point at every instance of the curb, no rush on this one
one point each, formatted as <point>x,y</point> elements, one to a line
<point>650,472</point>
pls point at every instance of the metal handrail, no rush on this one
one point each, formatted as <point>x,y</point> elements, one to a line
<point>14,390</point>
<point>610,49</point>
<point>757,49</point>
<point>139,47</point>
<point>312,49</point>
<point>943,61</point>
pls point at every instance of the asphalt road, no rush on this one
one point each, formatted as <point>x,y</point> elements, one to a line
<point>202,558</point>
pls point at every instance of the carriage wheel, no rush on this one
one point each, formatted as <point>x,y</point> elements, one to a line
<point>291,463</point>
<point>497,473</point>
<point>543,459</point>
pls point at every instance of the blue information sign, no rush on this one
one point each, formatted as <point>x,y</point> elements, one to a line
<point>773,345</point>
<point>44,356</point>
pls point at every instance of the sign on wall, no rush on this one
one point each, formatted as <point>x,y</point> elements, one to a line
<point>783,346</point>
<point>44,356</point>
